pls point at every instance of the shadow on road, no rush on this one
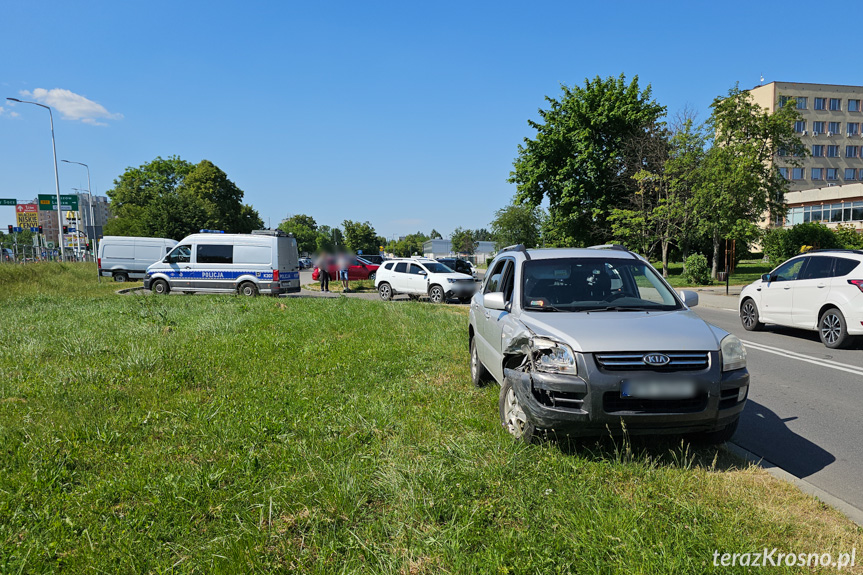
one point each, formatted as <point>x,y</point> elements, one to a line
<point>806,334</point>
<point>766,434</point>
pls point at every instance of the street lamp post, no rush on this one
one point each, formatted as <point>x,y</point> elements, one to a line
<point>56,175</point>
<point>90,196</point>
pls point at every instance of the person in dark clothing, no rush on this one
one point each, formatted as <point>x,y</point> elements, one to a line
<point>323,273</point>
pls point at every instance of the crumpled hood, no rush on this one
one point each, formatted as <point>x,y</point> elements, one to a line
<point>680,330</point>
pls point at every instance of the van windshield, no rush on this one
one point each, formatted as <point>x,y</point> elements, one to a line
<point>180,255</point>
<point>594,284</point>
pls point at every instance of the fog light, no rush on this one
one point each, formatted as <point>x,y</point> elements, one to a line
<point>741,393</point>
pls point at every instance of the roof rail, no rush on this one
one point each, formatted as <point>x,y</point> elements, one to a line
<point>516,248</point>
<point>617,247</point>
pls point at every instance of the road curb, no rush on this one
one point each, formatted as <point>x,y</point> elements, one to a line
<point>853,513</point>
<point>124,291</point>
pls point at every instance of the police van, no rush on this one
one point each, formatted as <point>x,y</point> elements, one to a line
<point>265,261</point>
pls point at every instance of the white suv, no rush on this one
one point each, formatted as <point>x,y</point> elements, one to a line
<point>422,276</point>
<point>820,290</point>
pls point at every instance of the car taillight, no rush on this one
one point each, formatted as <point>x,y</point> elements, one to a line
<point>275,275</point>
<point>99,260</point>
<point>858,283</point>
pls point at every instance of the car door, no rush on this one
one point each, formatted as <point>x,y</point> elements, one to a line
<point>810,291</point>
<point>180,261</point>
<point>777,294</point>
<point>416,279</point>
<point>399,278</point>
<point>489,321</point>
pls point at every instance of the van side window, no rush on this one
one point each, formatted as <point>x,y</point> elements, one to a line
<point>401,267</point>
<point>180,255</point>
<point>215,254</point>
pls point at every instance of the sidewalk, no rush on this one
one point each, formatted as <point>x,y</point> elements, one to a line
<point>714,296</point>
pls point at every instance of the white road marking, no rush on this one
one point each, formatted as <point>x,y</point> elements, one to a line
<point>806,358</point>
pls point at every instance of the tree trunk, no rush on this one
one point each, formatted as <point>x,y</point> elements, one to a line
<point>715,267</point>
<point>665,258</point>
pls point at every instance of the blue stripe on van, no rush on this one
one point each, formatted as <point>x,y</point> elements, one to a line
<point>225,274</point>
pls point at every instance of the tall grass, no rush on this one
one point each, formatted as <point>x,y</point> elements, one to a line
<point>53,278</point>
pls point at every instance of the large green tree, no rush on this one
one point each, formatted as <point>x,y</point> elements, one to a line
<point>739,181</point>
<point>463,241</point>
<point>360,237</point>
<point>518,224</point>
<point>409,245</point>
<point>305,230</point>
<point>578,159</point>
<point>173,198</point>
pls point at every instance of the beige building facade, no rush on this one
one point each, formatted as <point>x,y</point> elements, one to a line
<point>830,128</point>
<point>830,205</point>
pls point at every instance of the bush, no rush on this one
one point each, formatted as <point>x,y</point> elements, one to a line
<point>848,238</point>
<point>783,243</point>
<point>696,270</point>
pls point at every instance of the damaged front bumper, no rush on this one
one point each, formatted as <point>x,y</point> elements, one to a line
<point>592,404</point>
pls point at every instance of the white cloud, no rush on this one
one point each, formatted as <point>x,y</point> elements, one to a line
<point>72,106</point>
<point>10,113</point>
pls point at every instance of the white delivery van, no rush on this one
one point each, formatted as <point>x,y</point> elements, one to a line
<point>265,261</point>
<point>127,257</point>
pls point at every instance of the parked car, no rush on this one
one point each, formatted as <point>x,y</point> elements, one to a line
<point>127,257</point>
<point>820,290</point>
<point>423,277</point>
<point>459,265</point>
<point>264,261</point>
<point>305,263</point>
<point>585,340</point>
<point>357,270</point>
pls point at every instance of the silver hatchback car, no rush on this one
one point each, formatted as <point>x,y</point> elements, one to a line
<point>586,340</point>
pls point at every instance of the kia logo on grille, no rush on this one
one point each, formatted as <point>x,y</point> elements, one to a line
<point>656,359</point>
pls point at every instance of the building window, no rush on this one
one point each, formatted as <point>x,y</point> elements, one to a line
<point>818,128</point>
<point>853,105</point>
<point>860,174</point>
<point>797,174</point>
<point>850,174</point>
<point>836,104</point>
<point>801,102</point>
<point>832,174</point>
<point>832,151</point>
<point>783,100</point>
<point>817,173</point>
<point>784,172</point>
<point>853,128</point>
<point>800,126</point>
<point>820,103</point>
<point>834,127</point>
<point>816,214</point>
<point>851,151</point>
<point>818,150</point>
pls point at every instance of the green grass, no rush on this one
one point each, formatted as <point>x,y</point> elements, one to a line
<point>746,272</point>
<point>358,286</point>
<point>236,435</point>
<point>55,278</point>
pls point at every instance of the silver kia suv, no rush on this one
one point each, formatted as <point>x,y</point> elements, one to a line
<point>585,340</point>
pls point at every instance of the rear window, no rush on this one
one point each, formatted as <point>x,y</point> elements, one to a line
<point>388,266</point>
<point>215,254</point>
<point>844,267</point>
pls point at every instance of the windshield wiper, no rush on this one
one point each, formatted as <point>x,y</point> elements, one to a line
<point>548,307</point>
<point>615,308</point>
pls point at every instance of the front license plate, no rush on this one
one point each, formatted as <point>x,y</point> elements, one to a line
<point>657,389</point>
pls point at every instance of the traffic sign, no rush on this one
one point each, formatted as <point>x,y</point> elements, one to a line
<point>35,229</point>
<point>27,215</point>
<point>67,202</point>
<point>7,202</point>
<point>17,230</point>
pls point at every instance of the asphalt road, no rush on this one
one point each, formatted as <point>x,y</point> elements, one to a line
<point>803,412</point>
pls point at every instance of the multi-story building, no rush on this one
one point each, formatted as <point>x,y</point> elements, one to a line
<point>101,214</point>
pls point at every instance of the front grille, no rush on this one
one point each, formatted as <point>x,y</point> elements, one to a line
<point>613,403</point>
<point>634,361</point>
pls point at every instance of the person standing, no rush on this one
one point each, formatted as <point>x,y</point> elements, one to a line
<point>344,265</point>
<point>323,273</point>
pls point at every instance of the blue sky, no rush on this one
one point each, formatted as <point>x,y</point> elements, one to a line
<point>404,114</point>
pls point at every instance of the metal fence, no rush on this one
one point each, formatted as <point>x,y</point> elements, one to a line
<point>14,253</point>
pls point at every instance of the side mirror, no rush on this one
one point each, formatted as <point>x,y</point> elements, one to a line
<point>423,273</point>
<point>494,300</point>
<point>765,278</point>
<point>689,297</point>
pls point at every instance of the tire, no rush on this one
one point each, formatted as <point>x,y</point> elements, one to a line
<point>248,289</point>
<point>749,316</point>
<point>385,291</point>
<point>717,437</point>
<point>833,330</point>
<point>121,277</point>
<point>373,275</point>
<point>478,373</point>
<point>436,294</point>
<point>512,416</point>
<point>160,287</point>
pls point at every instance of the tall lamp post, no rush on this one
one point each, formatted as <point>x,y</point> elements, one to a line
<point>90,196</point>
<point>56,176</point>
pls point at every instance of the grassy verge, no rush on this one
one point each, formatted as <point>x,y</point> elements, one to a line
<point>55,278</point>
<point>746,272</point>
<point>237,435</point>
<point>359,286</point>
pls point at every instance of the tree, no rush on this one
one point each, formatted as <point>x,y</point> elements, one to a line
<point>360,237</point>
<point>434,235</point>
<point>305,230</point>
<point>577,161</point>
<point>463,241</point>
<point>738,181</point>
<point>517,224</point>
<point>409,245</point>
<point>172,198</point>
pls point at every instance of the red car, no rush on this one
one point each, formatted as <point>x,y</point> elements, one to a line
<point>356,271</point>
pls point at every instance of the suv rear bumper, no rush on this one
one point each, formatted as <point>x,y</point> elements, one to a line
<point>574,406</point>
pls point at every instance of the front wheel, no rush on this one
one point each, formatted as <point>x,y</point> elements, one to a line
<point>121,277</point>
<point>436,294</point>
<point>833,330</point>
<point>248,289</point>
<point>512,416</point>
<point>749,316</point>
<point>385,291</point>
<point>478,372</point>
<point>160,287</point>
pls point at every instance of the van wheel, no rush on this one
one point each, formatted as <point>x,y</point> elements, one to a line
<point>121,277</point>
<point>436,294</point>
<point>512,416</point>
<point>248,289</point>
<point>160,287</point>
<point>385,291</point>
<point>831,328</point>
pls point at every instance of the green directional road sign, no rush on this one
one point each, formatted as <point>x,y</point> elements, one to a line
<point>8,202</point>
<point>67,203</point>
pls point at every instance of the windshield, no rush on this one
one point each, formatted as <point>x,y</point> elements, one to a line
<point>437,268</point>
<point>593,284</point>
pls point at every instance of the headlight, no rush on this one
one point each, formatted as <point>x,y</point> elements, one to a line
<point>733,353</point>
<point>552,357</point>
<point>451,280</point>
